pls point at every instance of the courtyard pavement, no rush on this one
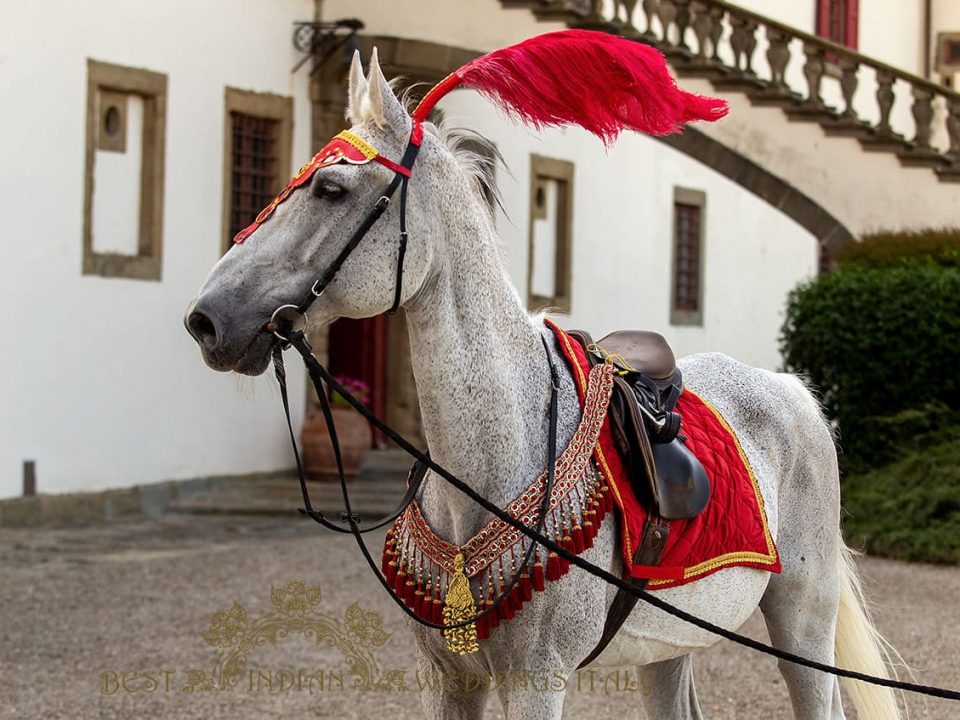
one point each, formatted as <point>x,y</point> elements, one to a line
<point>121,621</point>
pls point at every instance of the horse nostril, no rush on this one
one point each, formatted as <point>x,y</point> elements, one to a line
<point>202,328</point>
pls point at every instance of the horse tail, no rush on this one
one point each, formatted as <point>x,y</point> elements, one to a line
<point>859,646</point>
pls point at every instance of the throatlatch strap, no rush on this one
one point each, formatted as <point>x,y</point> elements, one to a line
<point>402,250</point>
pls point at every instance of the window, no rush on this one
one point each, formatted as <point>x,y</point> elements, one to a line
<point>686,306</point>
<point>123,178</point>
<point>551,224</point>
<point>837,21</point>
<point>256,153</point>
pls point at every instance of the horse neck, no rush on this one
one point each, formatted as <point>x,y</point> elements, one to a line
<point>482,377</point>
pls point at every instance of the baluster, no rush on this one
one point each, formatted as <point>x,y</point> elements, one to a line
<point>849,80</point>
<point>885,98</point>
<point>666,11</point>
<point>629,29</point>
<point>751,45</point>
<point>813,72</point>
<point>922,111</point>
<point>650,8</point>
<point>953,131</point>
<point>683,22</point>
<point>702,26</point>
<point>778,56</point>
<point>594,19</point>
<point>595,13</point>
<point>716,32</point>
<point>743,40</point>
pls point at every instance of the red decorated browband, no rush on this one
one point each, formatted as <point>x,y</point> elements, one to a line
<point>345,147</point>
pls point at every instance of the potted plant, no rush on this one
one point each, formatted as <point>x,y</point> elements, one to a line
<point>353,432</point>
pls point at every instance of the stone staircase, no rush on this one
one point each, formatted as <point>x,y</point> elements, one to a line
<point>807,110</point>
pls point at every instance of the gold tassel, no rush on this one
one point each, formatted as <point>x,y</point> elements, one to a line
<point>458,606</point>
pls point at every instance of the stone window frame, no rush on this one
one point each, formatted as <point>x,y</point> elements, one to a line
<point>110,79</point>
<point>698,198</point>
<point>548,168</point>
<point>263,105</point>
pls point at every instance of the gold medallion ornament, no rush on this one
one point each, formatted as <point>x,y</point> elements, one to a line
<point>459,607</point>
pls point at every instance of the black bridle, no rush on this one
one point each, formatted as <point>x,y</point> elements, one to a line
<point>287,324</point>
<point>284,325</point>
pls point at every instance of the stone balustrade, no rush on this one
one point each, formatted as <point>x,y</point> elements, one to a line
<point>847,93</point>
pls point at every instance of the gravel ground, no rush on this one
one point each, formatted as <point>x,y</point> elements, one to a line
<point>82,606</point>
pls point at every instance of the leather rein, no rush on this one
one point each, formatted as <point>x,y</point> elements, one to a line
<point>288,324</point>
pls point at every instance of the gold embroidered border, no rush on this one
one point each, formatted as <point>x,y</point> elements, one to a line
<point>741,556</point>
<point>368,150</point>
<point>598,451</point>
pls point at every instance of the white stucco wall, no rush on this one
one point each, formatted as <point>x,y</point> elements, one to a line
<point>622,235</point>
<point>99,382</point>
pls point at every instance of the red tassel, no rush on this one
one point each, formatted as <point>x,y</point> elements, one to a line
<point>437,611</point>
<point>505,610</point>
<point>516,597</point>
<point>493,619</point>
<point>588,534</point>
<point>400,581</point>
<point>483,628</point>
<point>601,82</point>
<point>409,593</point>
<point>390,572</point>
<point>576,536</point>
<point>553,567</point>
<point>418,602</point>
<point>526,589</point>
<point>539,583</point>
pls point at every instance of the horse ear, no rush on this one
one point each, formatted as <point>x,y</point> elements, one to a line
<point>357,89</point>
<point>383,106</point>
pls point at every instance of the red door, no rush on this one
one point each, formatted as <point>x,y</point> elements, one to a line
<point>358,349</point>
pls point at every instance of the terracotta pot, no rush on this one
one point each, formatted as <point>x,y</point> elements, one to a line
<point>353,432</point>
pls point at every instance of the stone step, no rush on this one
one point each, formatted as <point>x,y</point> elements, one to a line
<point>373,493</point>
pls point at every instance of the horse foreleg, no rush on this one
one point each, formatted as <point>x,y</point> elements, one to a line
<point>450,694</point>
<point>532,703</point>
<point>668,691</point>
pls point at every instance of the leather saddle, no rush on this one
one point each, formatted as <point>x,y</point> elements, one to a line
<point>665,475</point>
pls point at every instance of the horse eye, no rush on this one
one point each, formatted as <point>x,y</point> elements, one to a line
<point>329,191</point>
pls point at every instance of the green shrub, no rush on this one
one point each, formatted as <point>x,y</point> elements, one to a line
<point>877,342</point>
<point>930,246</point>
<point>909,509</point>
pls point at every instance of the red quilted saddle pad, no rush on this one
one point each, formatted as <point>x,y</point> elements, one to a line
<point>732,529</point>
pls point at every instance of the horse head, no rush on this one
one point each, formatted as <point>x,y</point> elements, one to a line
<point>277,263</point>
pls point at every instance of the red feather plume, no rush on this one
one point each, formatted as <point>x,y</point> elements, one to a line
<point>598,81</point>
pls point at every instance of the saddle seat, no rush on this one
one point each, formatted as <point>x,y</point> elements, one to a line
<point>665,475</point>
<point>642,351</point>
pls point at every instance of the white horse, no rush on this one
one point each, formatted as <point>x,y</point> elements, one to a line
<point>483,385</point>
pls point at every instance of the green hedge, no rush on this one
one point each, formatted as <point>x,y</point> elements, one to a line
<point>929,246</point>
<point>877,342</point>
<point>909,509</point>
